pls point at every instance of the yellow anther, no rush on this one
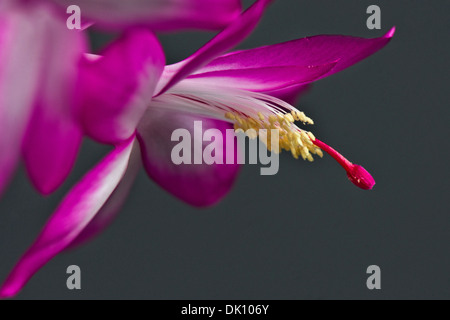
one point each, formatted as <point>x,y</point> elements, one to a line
<point>267,126</point>
<point>261,116</point>
<point>304,137</point>
<point>291,138</point>
<point>230,116</point>
<point>286,126</point>
<point>289,117</point>
<point>252,123</point>
<point>304,152</point>
<point>294,152</point>
<point>319,152</point>
<point>272,119</point>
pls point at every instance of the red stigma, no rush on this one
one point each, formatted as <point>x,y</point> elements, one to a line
<point>359,176</point>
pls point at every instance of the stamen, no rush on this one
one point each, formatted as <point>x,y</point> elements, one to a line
<point>356,173</point>
<point>291,138</point>
<point>250,110</point>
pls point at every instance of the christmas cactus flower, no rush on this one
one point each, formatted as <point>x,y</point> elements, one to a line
<point>131,100</point>
<point>39,72</point>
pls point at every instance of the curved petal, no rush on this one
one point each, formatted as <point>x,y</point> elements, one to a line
<point>50,149</point>
<point>197,184</point>
<point>117,88</point>
<point>21,32</point>
<point>106,215</point>
<point>343,51</point>
<point>290,94</point>
<point>74,214</point>
<point>264,79</point>
<point>157,14</point>
<point>53,136</point>
<point>225,40</point>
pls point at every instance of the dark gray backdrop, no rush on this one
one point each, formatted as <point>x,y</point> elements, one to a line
<point>306,232</point>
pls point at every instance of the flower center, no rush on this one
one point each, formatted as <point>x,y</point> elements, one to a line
<point>251,112</point>
<point>297,141</point>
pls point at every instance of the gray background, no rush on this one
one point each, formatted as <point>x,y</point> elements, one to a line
<point>307,232</point>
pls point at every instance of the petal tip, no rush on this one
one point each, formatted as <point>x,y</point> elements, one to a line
<point>7,293</point>
<point>391,33</point>
<point>44,188</point>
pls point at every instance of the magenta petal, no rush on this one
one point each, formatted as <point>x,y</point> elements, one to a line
<point>117,88</point>
<point>225,40</point>
<point>158,14</point>
<point>106,215</point>
<point>50,149</point>
<point>21,32</point>
<point>264,79</point>
<point>290,94</point>
<point>197,184</point>
<point>76,211</point>
<point>53,136</point>
<point>311,51</point>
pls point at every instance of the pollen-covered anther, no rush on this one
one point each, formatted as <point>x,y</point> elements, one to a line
<point>300,116</point>
<point>298,142</point>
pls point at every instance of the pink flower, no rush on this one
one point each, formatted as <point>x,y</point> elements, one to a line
<point>130,99</point>
<point>39,72</point>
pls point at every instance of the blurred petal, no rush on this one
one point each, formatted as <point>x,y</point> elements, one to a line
<point>106,215</point>
<point>197,184</point>
<point>117,88</point>
<point>21,33</point>
<point>74,214</point>
<point>157,14</point>
<point>344,51</point>
<point>225,40</point>
<point>53,136</point>
<point>50,149</point>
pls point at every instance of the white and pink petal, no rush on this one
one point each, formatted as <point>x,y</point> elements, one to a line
<point>196,184</point>
<point>21,33</point>
<point>75,213</point>
<point>317,51</point>
<point>265,79</point>
<point>54,135</point>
